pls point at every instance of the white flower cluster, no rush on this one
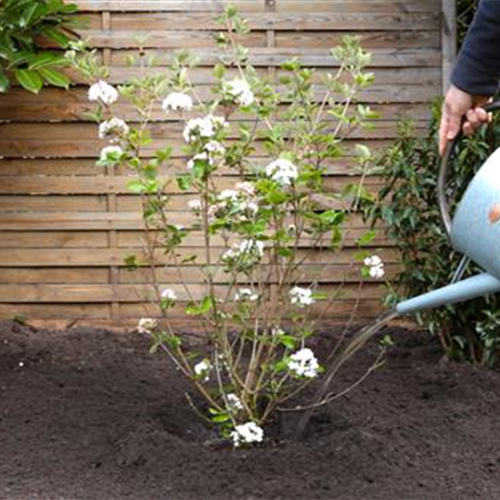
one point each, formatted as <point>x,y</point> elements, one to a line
<point>241,201</point>
<point>301,296</point>
<point>177,101</point>
<point>213,151</point>
<point>246,294</point>
<point>168,294</point>
<point>234,402</point>
<point>202,370</point>
<point>303,363</point>
<point>194,205</point>
<point>375,266</point>
<point>113,129</point>
<point>146,325</point>
<point>282,171</point>
<point>239,90</point>
<point>247,248</point>
<point>203,128</point>
<point>247,434</point>
<point>111,154</point>
<point>102,91</point>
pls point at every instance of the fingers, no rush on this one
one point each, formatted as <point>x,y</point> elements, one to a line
<point>461,111</point>
<point>451,123</point>
<point>474,118</point>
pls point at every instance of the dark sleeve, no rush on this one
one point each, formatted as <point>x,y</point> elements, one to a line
<point>477,70</point>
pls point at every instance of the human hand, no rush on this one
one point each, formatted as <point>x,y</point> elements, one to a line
<point>461,111</point>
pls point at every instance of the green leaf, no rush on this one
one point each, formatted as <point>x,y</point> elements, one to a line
<point>57,36</point>
<point>45,59</point>
<point>4,82</point>
<point>29,80</point>
<point>131,262</point>
<point>288,341</point>
<point>368,237</point>
<point>30,14</point>
<point>184,182</point>
<point>221,418</point>
<point>54,77</point>
<point>172,341</point>
<point>136,186</point>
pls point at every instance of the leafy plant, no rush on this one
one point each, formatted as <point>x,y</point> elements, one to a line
<point>408,205</point>
<point>465,12</point>
<point>252,174</point>
<point>27,29</point>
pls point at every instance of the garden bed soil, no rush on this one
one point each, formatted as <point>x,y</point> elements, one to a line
<point>90,414</point>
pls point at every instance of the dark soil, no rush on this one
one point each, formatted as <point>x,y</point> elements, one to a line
<point>89,414</point>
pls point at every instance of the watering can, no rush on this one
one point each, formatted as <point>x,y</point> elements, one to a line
<point>474,231</point>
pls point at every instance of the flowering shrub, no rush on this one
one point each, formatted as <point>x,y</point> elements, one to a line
<point>259,325</point>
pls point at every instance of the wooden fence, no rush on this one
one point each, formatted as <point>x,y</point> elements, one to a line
<point>67,225</point>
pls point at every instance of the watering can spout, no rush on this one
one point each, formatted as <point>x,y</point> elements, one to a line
<point>470,288</point>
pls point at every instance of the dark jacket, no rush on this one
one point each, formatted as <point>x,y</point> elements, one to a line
<point>477,70</point>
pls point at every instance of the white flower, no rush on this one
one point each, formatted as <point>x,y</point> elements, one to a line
<point>177,101</point>
<point>168,294</point>
<point>276,332</point>
<point>102,91</point>
<point>282,171</point>
<point>215,148</point>
<point>111,153</point>
<point>374,260</point>
<point>204,128</point>
<point>250,206</point>
<point>202,370</point>
<point>246,294</point>
<point>194,205</point>
<point>301,296</point>
<point>200,156</point>
<point>146,325</point>
<point>303,363</point>
<point>240,91</point>
<point>247,433</point>
<point>228,194</point>
<point>113,128</point>
<point>246,188</point>
<point>375,266</point>
<point>234,402</point>
<point>249,248</point>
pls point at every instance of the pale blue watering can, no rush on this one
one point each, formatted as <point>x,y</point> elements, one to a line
<point>474,231</point>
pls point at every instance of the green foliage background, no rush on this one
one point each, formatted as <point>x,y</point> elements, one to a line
<point>26,27</point>
<point>470,331</point>
<point>408,205</point>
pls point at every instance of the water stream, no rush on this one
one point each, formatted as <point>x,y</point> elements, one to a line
<point>356,343</point>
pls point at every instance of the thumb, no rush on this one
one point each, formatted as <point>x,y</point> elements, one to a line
<point>454,125</point>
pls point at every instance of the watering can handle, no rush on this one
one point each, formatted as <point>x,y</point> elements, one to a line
<point>444,207</point>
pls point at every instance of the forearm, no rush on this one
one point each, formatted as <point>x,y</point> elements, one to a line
<point>477,70</point>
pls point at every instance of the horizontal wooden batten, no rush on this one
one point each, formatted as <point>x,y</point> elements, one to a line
<point>357,22</point>
<point>248,6</point>
<point>39,185</point>
<point>406,35</point>
<point>274,57</point>
<point>340,311</point>
<point>103,257</point>
<point>141,293</point>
